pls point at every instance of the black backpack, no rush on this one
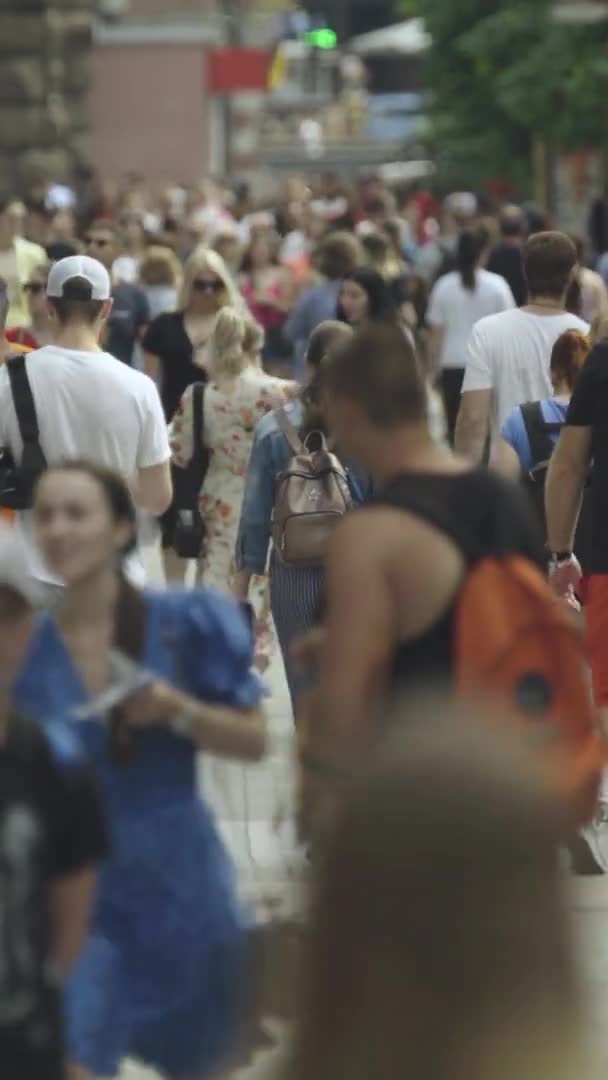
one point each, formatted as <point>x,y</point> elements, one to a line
<point>17,482</point>
<point>540,434</point>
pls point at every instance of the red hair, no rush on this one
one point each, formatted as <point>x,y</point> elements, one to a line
<point>568,356</point>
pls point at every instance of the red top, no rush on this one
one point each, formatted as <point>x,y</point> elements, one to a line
<point>18,335</point>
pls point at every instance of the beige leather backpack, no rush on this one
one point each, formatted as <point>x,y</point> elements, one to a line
<point>312,495</point>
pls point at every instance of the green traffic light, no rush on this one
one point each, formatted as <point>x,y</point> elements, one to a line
<point>322,39</point>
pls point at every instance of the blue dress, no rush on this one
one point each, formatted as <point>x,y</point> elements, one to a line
<point>159,976</point>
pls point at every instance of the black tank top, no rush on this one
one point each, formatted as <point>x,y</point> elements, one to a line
<point>483,515</point>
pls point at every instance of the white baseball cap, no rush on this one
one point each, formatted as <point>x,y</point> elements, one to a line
<point>14,568</point>
<point>84,268</point>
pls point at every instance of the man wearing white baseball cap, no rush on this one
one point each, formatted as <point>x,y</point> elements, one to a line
<point>88,404</point>
<point>52,836</point>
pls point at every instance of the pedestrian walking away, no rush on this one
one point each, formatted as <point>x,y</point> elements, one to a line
<point>457,302</point>
<point>87,403</point>
<point>508,354</point>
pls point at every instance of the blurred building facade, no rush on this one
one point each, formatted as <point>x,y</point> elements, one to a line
<point>45,50</point>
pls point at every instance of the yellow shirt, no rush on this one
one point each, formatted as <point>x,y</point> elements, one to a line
<point>17,263</point>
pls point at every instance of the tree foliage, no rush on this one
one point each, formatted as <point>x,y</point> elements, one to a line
<point>503,73</point>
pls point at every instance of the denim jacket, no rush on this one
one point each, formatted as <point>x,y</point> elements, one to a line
<point>270,455</point>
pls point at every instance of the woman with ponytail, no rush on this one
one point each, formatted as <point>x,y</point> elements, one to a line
<point>458,300</point>
<point>148,680</point>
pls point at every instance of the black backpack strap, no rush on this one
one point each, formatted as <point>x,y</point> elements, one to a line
<point>538,431</point>
<point>23,401</point>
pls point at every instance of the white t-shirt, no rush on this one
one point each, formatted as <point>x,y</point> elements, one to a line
<point>457,309</point>
<point>510,354</point>
<point>89,405</point>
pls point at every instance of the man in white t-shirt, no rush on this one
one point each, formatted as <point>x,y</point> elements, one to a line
<point>508,355</point>
<point>89,404</point>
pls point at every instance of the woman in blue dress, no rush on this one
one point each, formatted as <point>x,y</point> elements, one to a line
<point>159,977</point>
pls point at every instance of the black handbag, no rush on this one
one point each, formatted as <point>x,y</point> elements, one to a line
<point>17,482</point>
<point>190,532</point>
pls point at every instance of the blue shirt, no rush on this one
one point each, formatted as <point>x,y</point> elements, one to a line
<point>514,429</point>
<point>315,306</point>
<point>270,455</point>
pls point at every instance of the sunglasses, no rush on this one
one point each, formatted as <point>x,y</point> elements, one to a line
<point>34,287</point>
<point>98,241</point>
<point>207,285</point>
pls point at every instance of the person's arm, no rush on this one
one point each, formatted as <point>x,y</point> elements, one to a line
<point>569,467</point>
<point>151,366</point>
<point>473,422</point>
<point>235,733</point>
<point>511,454</point>
<point>154,487</point>
<point>218,705</point>
<point>70,904</point>
<point>434,346</point>
<point>505,460</point>
<point>253,537</point>
<point>436,323</point>
<point>152,348</point>
<point>564,487</point>
<point>181,431</point>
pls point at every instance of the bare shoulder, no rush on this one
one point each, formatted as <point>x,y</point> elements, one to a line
<point>374,531</point>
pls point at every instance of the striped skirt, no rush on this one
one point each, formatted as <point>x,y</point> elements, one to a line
<point>296,600</point>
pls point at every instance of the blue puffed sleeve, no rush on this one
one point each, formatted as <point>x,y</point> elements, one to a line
<point>215,649</point>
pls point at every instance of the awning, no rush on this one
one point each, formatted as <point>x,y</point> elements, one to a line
<point>406,39</point>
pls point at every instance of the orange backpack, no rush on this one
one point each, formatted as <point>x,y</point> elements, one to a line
<point>514,639</point>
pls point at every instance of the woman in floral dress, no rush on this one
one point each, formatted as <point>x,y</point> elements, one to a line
<point>239,393</point>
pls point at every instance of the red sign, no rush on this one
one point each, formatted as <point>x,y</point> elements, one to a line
<point>233,70</point>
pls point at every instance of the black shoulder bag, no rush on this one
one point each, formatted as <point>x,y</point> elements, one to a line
<point>190,531</point>
<point>17,482</point>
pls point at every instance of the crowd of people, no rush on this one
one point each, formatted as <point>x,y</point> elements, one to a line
<point>375,424</point>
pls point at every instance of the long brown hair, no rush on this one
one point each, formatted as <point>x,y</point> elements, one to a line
<point>326,337</point>
<point>439,946</point>
<point>129,621</point>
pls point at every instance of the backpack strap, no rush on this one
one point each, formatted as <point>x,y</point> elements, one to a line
<point>23,401</point>
<point>290,433</point>
<point>539,432</point>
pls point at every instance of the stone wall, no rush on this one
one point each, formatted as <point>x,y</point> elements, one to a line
<point>44,81</point>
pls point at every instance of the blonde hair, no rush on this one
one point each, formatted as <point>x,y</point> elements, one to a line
<point>254,339</point>
<point>204,260</point>
<point>159,266</point>
<point>599,329</point>
<point>227,346</point>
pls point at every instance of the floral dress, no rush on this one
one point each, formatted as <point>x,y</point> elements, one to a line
<point>231,413</point>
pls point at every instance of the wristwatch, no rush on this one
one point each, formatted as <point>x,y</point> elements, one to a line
<point>558,558</point>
